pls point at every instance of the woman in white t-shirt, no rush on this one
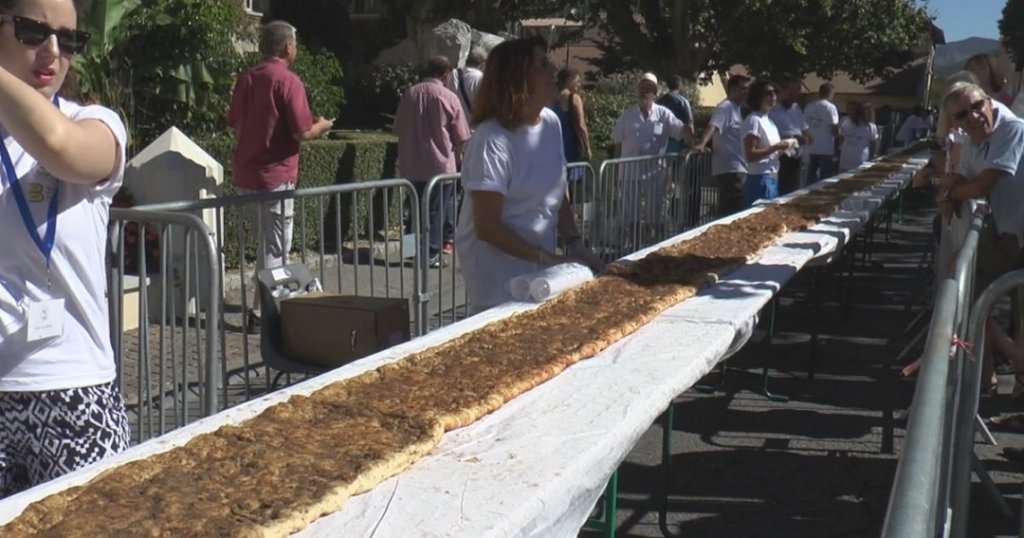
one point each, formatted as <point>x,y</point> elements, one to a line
<point>761,144</point>
<point>514,173</point>
<point>857,137</point>
<point>60,407</point>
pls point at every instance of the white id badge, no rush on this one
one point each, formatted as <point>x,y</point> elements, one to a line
<point>659,128</point>
<point>45,320</point>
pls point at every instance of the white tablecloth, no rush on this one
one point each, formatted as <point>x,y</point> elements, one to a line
<point>536,466</point>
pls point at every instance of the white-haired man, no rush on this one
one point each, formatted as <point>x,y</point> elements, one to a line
<point>644,129</point>
<point>270,116</point>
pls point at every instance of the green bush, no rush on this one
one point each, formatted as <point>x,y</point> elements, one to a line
<point>701,119</point>
<point>349,157</point>
<point>603,105</point>
<point>374,91</point>
<point>320,71</point>
<point>180,60</point>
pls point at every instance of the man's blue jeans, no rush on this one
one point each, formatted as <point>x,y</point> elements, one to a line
<point>442,218</point>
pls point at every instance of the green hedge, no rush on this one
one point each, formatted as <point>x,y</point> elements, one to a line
<point>345,158</point>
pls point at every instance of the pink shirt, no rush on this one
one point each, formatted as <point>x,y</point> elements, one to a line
<point>429,124</point>
<point>268,110</point>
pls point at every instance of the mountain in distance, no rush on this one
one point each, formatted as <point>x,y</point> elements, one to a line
<point>950,58</point>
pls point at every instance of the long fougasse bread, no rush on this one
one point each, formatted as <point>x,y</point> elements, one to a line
<point>303,458</point>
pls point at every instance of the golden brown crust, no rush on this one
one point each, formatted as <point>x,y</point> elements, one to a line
<point>300,459</point>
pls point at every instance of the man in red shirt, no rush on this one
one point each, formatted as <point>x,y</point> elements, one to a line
<point>270,116</point>
<point>432,129</point>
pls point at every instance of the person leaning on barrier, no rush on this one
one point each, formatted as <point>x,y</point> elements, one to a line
<point>271,117</point>
<point>946,157</point>
<point>679,105</point>
<point>514,176</point>
<point>60,404</point>
<point>992,167</point>
<point>431,133</point>
<point>644,129</point>
<point>728,166</point>
<point>762,144</point>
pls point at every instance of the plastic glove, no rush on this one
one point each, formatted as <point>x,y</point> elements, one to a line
<point>584,255</point>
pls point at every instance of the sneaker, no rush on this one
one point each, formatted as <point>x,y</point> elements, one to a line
<point>253,323</point>
<point>437,261</point>
<point>449,247</point>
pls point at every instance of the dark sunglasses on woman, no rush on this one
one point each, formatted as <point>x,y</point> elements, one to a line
<point>32,33</point>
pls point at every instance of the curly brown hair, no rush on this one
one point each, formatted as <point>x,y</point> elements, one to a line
<point>996,80</point>
<point>505,88</point>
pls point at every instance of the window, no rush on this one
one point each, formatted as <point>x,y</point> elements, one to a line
<point>257,6</point>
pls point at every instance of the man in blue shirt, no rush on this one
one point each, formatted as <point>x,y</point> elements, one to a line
<point>680,107</point>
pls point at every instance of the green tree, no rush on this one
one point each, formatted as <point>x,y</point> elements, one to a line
<point>320,72</point>
<point>697,37</point>
<point>1011,28</point>
<point>93,69</point>
<point>180,60</point>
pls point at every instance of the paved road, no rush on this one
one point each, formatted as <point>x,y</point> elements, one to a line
<point>745,466</point>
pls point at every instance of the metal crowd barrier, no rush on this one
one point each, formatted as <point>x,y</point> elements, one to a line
<point>168,362</point>
<point>449,295</point>
<point>358,238</point>
<point>641,201</point>
<point>928,481</point>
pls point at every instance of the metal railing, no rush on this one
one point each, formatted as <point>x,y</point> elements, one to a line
<point>966,461</point>
<point>170,370</point>
<point>922,502</point>
<point>641,201</point>
<point>359,238</point>
<point>451,301</point>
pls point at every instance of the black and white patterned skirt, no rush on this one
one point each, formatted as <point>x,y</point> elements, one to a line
<point>47,434</point>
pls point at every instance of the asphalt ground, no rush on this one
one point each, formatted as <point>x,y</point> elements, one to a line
<point>817,465</point>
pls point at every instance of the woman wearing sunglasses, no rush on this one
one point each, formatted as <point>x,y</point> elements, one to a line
<point>762,144</point>
<point>61,165</point>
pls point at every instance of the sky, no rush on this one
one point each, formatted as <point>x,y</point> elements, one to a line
<point>961,19</point>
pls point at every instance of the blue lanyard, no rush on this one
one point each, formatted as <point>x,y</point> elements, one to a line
<point>45,244</point>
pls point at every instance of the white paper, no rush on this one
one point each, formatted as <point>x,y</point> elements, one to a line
<point>556,279</point>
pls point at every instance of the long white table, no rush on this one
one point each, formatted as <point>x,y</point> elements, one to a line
<point>536,466</point>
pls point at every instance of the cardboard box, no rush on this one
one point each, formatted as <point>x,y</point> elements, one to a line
<point>328,329</point>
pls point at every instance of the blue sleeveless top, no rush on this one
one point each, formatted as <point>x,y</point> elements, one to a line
<point>570,140</point>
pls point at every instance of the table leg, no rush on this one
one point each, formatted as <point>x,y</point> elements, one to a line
<point>666,471</point>
<point>609,509</point>
<point>815,314</point>
<point>899,205</point>
<point>767,358</point>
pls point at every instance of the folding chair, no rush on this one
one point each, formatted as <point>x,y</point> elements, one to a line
<point>276,284</point>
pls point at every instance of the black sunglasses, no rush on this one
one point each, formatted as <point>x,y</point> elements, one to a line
<point>32,33</point>
<point>976,108</point>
